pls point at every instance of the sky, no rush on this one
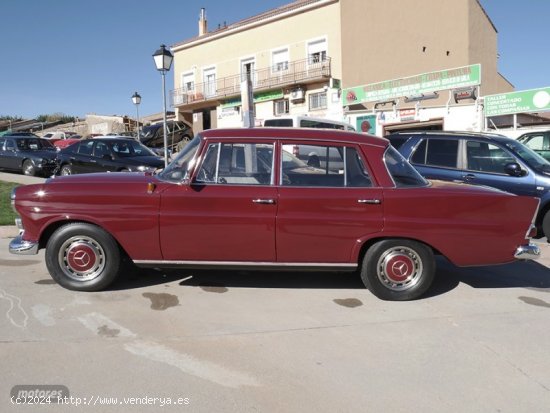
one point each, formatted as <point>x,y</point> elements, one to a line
<point>77,57</point>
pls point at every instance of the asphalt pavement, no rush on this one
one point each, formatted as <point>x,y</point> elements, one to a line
<point>230,341</point>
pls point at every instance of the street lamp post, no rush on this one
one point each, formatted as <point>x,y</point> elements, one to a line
<point>136,98</point>
<point>163,60</point>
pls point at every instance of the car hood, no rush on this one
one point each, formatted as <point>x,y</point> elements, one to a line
<point>142,160</point>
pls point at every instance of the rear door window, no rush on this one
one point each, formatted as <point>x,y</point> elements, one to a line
<point>437,152</point>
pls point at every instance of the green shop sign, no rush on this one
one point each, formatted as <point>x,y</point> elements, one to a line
<point>258,97</point>
<point>414,85</point>
<point>534,100</point>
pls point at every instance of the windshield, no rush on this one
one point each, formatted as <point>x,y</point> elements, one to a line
<point>148,131</point>
<point>130,148</point>
<point>402,172</point>
<point>530,157</point>
<point>180,167</point>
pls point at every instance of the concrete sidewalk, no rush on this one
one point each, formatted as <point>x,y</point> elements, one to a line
<point>20,179</point>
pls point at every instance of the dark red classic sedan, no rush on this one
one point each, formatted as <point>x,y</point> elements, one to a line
<point>239,198</point>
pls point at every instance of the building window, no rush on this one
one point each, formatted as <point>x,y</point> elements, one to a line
<point>188,82</point>
<point>317,51</point>
<point>209,77</point>
<point>281,107</point>
<point>318,101</point>
<point>280,60</point>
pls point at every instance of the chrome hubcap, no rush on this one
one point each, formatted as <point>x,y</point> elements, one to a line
<point>399,268</point>
<point>81,258</point>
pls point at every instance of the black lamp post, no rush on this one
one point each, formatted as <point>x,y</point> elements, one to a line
<point>136,98</point>
<point>163,61</point>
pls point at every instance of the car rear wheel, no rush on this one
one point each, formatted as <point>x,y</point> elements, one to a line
<point>398,269</point>
<point>66,170</point>
<point>82,257</point>
<point>28,168</point>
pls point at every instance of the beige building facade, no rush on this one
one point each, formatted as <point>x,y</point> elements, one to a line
<point>299,58</point>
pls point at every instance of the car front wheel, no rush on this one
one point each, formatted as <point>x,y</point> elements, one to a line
<point>82,257</point>
<point>28,168</point>
<point>398,270</point>
<point>66,170</point>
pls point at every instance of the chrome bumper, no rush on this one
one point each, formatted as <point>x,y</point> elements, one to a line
<point>527,252</point>
<point>21,247</point>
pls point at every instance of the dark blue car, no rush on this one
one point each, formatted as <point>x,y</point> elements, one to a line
<point>482,159</point>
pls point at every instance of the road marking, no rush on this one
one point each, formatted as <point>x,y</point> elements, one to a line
<point>190,365</point>
<point>15,311</point>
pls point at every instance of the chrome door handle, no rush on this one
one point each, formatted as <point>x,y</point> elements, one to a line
<point>369,201</point>
<point>264,201</point>
<point>469,177</point>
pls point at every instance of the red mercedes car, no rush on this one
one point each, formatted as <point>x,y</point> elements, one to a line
<point>237,198</point>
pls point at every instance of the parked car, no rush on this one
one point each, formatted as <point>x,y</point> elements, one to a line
<point>58,135</point>
<point>179,133</point>
<point>27,154</point>
<point>229,201</point>
<point>107,154</point>
<point>483,159</point>
<point>63,143</point>
<point>538,141</point>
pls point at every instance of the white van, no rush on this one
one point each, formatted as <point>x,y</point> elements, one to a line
<point>297,121</point>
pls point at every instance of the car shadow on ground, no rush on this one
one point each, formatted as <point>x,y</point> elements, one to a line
<point>528,274</point>
<point>520,274</point>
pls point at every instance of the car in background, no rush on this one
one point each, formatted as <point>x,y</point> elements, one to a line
<point>179,133</point>
<point>107,154</point>
<point>63,143</point>
<point>30,155</point>
<point>482,159</point>
<point>299,121</point>
<point>58,135</point>
<point>229,201</point>
<point>538,141</point>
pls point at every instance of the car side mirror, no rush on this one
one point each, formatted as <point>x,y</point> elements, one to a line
<point>514,169</point>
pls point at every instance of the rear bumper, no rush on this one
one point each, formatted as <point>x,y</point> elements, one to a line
<point>527,252</point>
<point>21,247</point>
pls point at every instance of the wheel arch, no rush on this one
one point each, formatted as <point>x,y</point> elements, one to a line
<point>370,242</point>
<point>54,226</point>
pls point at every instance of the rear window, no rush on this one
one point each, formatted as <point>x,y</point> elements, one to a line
<point>398,141</point>
<point>282,123</point>
<point>402,172</point>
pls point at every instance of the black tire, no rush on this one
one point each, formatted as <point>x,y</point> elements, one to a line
<point>398,269</point>
<point>546,225</point>
<point>83,257</point>
<point>28,168</point>
<point>66,170</point>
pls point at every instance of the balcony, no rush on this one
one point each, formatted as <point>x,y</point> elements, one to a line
<point>283,75</point>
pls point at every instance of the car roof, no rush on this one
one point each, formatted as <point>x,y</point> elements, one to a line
<point>112,137</point>
<point>434,133</point>
<point>296,133</point>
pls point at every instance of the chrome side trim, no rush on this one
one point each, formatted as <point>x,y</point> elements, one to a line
<point>527,252</point>
<point>247,264</point>
<point>21,247</point>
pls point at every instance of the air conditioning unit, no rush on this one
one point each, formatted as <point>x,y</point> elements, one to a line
<point>297,94</point>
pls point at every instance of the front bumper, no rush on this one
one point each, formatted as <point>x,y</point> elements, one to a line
<point>22,247</point>
<point>527,252</point>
